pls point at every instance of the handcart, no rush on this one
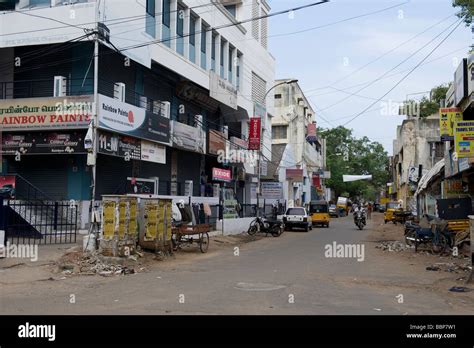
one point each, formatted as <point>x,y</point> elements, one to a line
<point>190,234</point>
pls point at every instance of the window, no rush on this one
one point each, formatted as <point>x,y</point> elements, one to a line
<point>192,39</point>
<point>439,150</point>
<point>277,96</point>
<point>180,30</point>
<point>166,20</point>
<point>213,53</point>
<point>150,18</point>
<point>255,23</point>
<point>279,132</point>
<point>204,30</point>
<point>239,62</point>
<point>222,58</point>
<point>259,87</point>
<point>232,9</point>
<point>231,63</point>
<point>264,30</point>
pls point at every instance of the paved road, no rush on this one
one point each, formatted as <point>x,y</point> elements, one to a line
<point>286,275</point>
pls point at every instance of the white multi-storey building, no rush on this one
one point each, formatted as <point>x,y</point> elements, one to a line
<point>184,69</point>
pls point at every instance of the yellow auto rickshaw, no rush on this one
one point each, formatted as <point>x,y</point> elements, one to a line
<point>390,208</point>
<point>319,211</point>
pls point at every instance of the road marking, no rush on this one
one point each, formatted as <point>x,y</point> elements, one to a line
<point>258,286</point>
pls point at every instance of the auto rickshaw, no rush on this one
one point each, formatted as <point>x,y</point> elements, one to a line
<point>390,208</point>
<point>319,211</point>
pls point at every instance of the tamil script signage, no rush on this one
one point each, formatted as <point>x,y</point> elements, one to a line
<point>188,138</point>
<point>447,118</point>
<point>46,113</point>
<point>131,120</point>
<point>254,133</point>
<point>464,138</point>
<point>222,90</point>
<point>219,174</point>
<point>272,190</point>
<point>43,143</point>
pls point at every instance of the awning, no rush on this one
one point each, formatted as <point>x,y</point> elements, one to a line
<point>428,177</point>
<point>346,178</point>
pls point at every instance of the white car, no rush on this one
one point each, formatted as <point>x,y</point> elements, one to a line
<point>297,217</point>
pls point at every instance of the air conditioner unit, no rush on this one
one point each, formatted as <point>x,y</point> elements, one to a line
<point>225,130</point>
<point>119,91</point>
<point>164,108</point>
<point>188,188</point>
<point>60,85</point>
<point>143,102</point>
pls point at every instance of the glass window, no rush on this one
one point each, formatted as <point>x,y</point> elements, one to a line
<point>232,9</point>
<point>192,31</point>
<point>231,63</point>
<point>180,30</point>
<point>166,12</point>
<point>213,53</point>
<point>295,211</point>
<point>150,22</point>
<point>279,132</point>
<point>204,30</point>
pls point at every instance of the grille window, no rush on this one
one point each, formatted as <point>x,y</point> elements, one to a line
<point>258,89</point>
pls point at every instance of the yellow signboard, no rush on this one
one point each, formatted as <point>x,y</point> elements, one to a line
<point>109,220</point>
<point>132,225</point>
<point>122,219</point>
<point>447,118</point>
<point>464,139</point>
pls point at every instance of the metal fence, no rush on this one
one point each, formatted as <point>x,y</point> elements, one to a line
<point>38,222</point>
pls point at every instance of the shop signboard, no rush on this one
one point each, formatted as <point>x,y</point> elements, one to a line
<point>463,164</point>
<point>72,112</point>
<point>311,132</point>
<point>188,138</point>
<point>460,82</point>
<point>448,116</point>
<point>316,181</point>
<point>294,174</point>
<point>254,133</point>
<point>222,91</point>
<point>453,186</point>
<point>217,142</point>
<point>464,139</point>
<point>43,143</point>
<point>272,190</point>
<point>219,174</point>
<point>7,186</point>
<point>238,144</point>
<point>126,119</point>
<point>153,152</point>
<point>120,146</point>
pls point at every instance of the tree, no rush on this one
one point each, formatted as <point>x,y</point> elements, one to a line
<point>427,106</point>
<point>364,157</point>
<point>466,10</point>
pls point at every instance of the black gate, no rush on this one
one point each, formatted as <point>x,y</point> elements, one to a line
<point>29,216</point>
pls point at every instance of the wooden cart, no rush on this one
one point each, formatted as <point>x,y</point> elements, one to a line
<point>190,234</point>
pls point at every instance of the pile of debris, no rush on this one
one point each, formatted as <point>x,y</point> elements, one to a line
<point>75,262</point>
<point>451,267</point>
<point>393,245</point>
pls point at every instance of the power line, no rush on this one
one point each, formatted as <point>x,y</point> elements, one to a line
<point>409,73</point>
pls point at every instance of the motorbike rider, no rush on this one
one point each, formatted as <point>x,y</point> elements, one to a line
<point>359,208</point>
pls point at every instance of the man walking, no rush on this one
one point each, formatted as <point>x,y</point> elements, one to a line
<point>369,211</point>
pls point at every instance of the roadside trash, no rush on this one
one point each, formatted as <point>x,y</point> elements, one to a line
<point>432,268</point>
<point>396,246</point>
<point>460,289</point>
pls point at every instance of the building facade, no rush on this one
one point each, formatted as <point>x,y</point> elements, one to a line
<point>177,84</point>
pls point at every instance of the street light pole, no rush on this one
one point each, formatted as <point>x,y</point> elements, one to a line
<point>288,82</point>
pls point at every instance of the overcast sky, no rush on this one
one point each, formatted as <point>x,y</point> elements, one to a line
<point>326,56</point>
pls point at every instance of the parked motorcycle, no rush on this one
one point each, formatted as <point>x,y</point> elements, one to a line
<point>360,218</point>
<point>263,225</point>
<point>437,235</point>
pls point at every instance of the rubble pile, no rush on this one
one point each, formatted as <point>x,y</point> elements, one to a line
<point>392,245</point>
<point>451,267</point>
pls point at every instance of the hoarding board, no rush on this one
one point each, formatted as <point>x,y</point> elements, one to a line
<point>464,139</point>
<point>447,118</point>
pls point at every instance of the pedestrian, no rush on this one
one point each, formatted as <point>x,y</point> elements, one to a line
<point>369,211</point>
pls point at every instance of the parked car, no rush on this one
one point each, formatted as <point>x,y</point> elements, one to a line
<point>297,217</point>
<point>333,211</point>
<point>7,191</point>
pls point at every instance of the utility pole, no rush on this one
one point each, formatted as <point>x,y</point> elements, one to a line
<point>95,115</point>
<point>288,82</point>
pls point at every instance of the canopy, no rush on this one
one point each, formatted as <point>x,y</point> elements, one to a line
<point>425,179</point>
<point>347,178</point>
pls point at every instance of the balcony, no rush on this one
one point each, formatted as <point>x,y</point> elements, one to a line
<point>44,88</point>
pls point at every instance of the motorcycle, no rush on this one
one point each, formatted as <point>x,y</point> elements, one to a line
<point>437,235</point>
<point>263,225</point>
<point>360,218</point>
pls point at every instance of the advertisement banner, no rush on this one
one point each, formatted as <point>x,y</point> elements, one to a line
<point>46,113</point>
<point>453,186</point>
<point>316,181</point>
<point>222,91</point>
<point>294,174</point>
<point>254,133</point>
<point>152,152</point>
<point>447,118</point>
<point>119,145</point>
<point>7,186</point>
<point>272,190</point>
<point>238,144</point>
<point>217,141</point>
<point>311,132</point>
<point>43,143</point>
<point>131,120</point>
<point>219,174</point>
<point>188,138</point>
<point>464,139</point>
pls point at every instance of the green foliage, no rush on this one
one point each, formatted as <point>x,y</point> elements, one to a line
<point>429,107</point>
<point>466,10</point>
<point>364,157</point>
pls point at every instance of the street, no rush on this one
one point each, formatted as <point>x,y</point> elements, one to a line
<point>286,275</point>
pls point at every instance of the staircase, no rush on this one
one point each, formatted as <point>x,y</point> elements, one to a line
<point>35,218</point>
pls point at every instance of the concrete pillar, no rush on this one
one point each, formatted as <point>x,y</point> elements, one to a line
<point>173,22</point>
<point>218,54</point>
<point>197,30</point>
<point>226,60</point>
<point>186,24</point>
